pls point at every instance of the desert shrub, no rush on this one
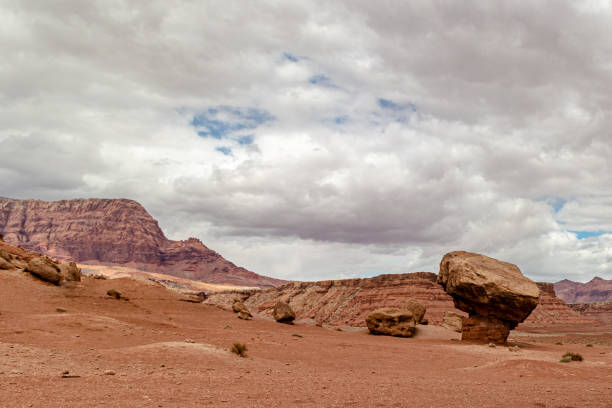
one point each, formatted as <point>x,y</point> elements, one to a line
<point>239,349</point>
<point>572,356</point>
<point>589,345</point>
<point>297,335</point>
<point>565,360</point>
<point>559,343</point>
<point>227,326</point>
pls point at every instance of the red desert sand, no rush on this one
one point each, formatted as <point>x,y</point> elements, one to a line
<point>75,346</point>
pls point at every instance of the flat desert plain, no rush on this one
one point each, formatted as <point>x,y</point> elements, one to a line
<point>75,346</point>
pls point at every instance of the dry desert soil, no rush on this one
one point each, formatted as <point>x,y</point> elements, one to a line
<point>74,346</point>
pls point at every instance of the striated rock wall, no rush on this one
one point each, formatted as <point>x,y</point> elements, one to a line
<point>600,311</point>
<point>348,301</point>
<point>596,290</point>
<point>551,310</point>
<point>115,232</point>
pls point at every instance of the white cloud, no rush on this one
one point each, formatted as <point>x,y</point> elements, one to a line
<point>492,116</point>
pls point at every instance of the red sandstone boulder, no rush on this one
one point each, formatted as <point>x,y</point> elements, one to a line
<point>283,313</point>
<point>241,309</point>
<point>453,321</point>
<point>70,272</point>
<point>45,269</point>
<point>495,294</point>
<point>392,322</point>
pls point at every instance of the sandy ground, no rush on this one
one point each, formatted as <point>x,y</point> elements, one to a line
<point>164,352</point>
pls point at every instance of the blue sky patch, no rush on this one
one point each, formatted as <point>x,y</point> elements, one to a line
<point>290,57</point>
<point>245,140</point>
<point>225,150</point>
<point>390,105</point>
<point>321,80</point>
<point>218,122</point>
<point>587,234</point>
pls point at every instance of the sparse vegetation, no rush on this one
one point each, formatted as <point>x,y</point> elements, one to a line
<point>113,293</point>
<point>297,335</point>
<point>239,349</point>
<point>589,345</point>
<point>569,356</point>
<point>227,326</point>
<point>559,343</point>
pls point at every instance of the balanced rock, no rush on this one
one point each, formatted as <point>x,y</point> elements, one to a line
<point>241,309</point>
<point>70,271</point>
<point>283,313</point>
<point>495,294</point>
<point>45,269</point>
<point>453,321</point>
<point>392,322</point>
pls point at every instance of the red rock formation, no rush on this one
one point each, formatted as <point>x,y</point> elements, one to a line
<point>552,311</point>
<point>599,311</point>
<point>348,301</point>
<point>115,232</point>
<point>596,290</point>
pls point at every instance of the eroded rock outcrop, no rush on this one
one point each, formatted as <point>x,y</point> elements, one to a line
<point>283,313</point>
<point>391,322</point>
<point>242,311</point>
<point>346,302</point>
<point>596,311</point>
<point>495,294</point>
<point>453,321</point>
<point>595,290</point>
<point>45,269</point>
<point>115,232</point>
<point>552,311</point>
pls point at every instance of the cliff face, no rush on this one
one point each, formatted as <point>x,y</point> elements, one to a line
<point>596,290</point>
<point>347,302</point>
<point>601,311</point>
<point>115,232</point>
<point>551,310</point>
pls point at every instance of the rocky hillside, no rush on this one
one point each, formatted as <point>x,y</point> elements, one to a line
<point>346,302</point>
<point>115,232</point>
<point>596,290</point>
<point>601,311</point>
<point>552,310</point>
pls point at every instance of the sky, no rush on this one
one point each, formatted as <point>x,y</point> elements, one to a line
<point>310,140</point>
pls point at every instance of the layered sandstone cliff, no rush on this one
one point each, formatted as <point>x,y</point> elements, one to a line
<point>115,232</point>
<point>596,290</point>
<point>600,311</point>
<point>346,302</point>
<point>551,310</point>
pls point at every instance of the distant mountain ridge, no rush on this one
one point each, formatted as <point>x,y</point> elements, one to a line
<point>596,290</point>
<point>115,232</point>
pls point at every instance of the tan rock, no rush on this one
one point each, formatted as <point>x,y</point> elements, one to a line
<point>241,309</point>
<point>283,313</point>
<point>417,309</point>
<point>43,268</point>
<point>453,321</point>
<point>392,322</point>
<point>4,264</point>
<point>70,271</point>
<point>495,294</point>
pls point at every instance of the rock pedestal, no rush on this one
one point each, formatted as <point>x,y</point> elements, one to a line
<point>495,294</point>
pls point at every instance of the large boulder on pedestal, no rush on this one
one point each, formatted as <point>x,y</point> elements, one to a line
<point>495,294</point>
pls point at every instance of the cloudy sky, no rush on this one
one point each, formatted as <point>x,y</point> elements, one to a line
<point>318,140</point>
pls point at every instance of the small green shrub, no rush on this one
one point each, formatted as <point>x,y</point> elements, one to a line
<point>227,326</point>
<point>572,356</point>
<point>239,349</point>
<point>297,335</point>
<point>565,360</point>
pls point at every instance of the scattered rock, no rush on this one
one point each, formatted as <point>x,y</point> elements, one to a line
<point>113,293</point>
<point>189,341</point>
<point>4,264</point>
<point>453,321</point>
<point>495,294</point>
<point>60,310</point>
<point>70,271</point>
<point>241,309</point>
<point>109,372</point>
<point>392,322</point>
<point>44,269</point>
<point>99,276</point>
<point>417,309</point>
<point>283,313</point>
<point>492,345</point>
<point>514,349</point>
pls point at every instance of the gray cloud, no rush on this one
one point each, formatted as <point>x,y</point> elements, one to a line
<point>395,131</point>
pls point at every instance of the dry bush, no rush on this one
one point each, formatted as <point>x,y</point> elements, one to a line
<point>239,349</point>
<point>569,356</point>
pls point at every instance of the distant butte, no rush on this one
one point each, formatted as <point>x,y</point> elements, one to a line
<point>115,232</point>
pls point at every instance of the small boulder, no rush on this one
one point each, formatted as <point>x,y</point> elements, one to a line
<point>113,293</point>
<point>44,269</point>
<point>417,309</point>
<point>392,322</point>
<point>241,309</point>
<point>283,313</point>
<point>453,321</point>
<point>4,264</point>
<point>70,271</point>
